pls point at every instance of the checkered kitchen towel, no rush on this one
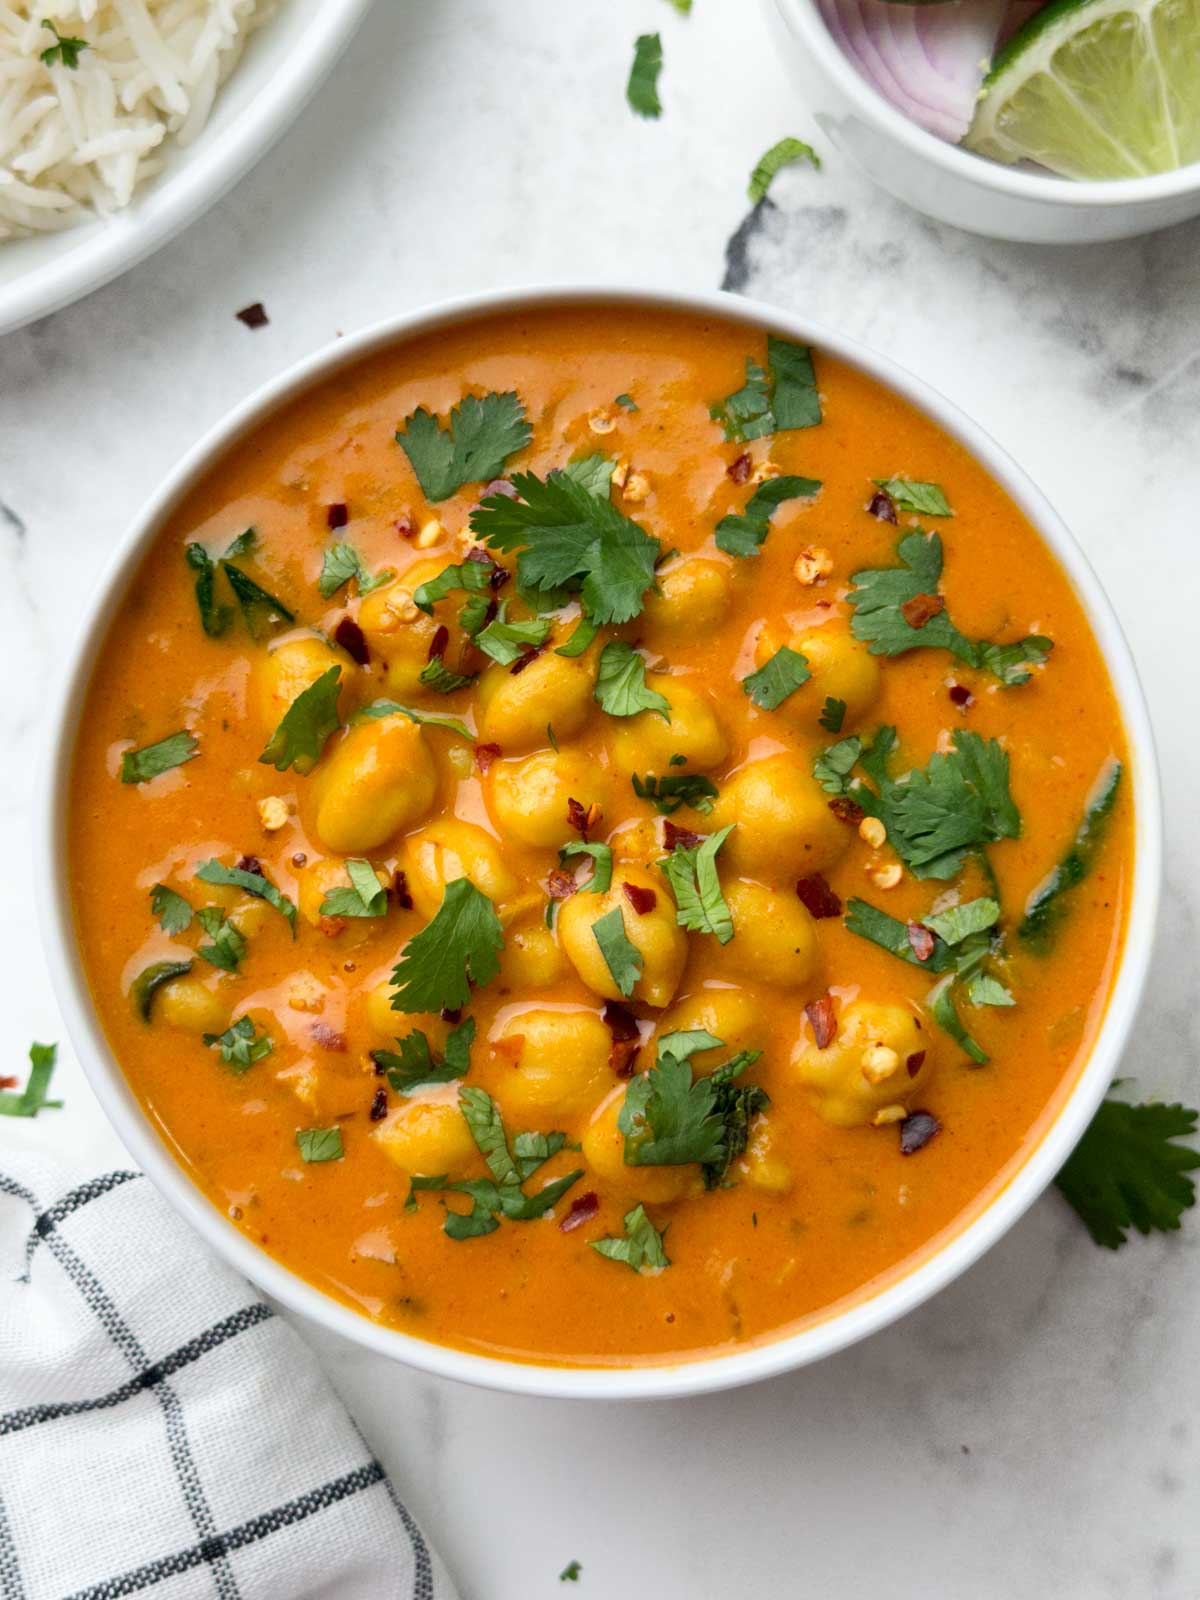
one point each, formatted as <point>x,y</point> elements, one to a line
<point>161,1431</point>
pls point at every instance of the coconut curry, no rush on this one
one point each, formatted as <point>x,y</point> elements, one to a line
<point>598,835</point>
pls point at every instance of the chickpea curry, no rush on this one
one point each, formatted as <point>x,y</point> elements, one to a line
<point>598,835</point>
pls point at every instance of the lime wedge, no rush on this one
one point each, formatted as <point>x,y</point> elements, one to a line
<point>1096,89</point>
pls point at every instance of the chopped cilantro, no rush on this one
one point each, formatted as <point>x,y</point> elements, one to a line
<point>436,675</point>
<point>781,398</point>
<point>306,726</point>
<point>832,714</point>
<point>227,947</point>
<point>626,402</point>
<point>343,562</point>
<point>392,708</point>
<point>570,1573</point>
<point>623,959</point>
<point>253,883</point>
<point>64,49</point>
<point>832,768</point>
<point>415,1064</point>
<point>460,947</point>
<point>1048,903</point>
<point>675,790</point>
<point>926,499</point>
<point>240,1045</point>
<point>781,154</point>
<point>262,612</point>
<point>366,896</point>
<point>140,766</point>
<point>27,1102</point>
<point>506,642</point>
<point>469,577</point>
<point>692,874</point>
<point>941,1004</point>
<point>744,534</point>
<point>668,1119</point>
<point>483,433</point>
<point>592,472</point>
<point>150,980</point>
<point>602,863</point>
<point>214,618</point>
<point>1128,1171</point>
<point>781,676</point>
<point>642,1246</point>
<point>320,1144</point>
<point>582,634</point>
<point>243,544</point>
<point>621,683</point>
<point>642,88</point>
<point>172,910</point>
<point>868,922</point>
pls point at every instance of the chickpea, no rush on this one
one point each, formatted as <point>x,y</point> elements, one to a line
<point>763,1164</point>
<point>515,708</point>
<point>655,934</point>
<point>693,596</point>
<point>560,1065</point>
<point>189,1004</point>
<point>448,849</point>
<point>785,828</point>
<point>527,798</point>
<point>315,882</point>
<point>399,634</point>
<point>855,1076</point>
<point>428,1134</point>
<point>774,937</point>
<point>840,666</point>
<point>604,1152</point>
<point>735,1016</point>
<point>292,666</point>
<point>531,958</point>
<point>646,743</point>
<point>377,779</point>
<point>385,1023</point>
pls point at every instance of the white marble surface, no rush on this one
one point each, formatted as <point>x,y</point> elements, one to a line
<point>1031,1433</point>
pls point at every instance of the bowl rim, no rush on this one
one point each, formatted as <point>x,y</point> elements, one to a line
<point>804,17</point>
<point>843,1326</point>
<point>180,196</point>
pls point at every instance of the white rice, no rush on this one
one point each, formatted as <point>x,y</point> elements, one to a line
<point>76,142</point>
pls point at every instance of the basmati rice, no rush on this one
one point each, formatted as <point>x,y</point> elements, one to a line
<point>75,142</point>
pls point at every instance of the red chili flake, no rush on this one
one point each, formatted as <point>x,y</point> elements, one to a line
<point>916,1131</point>
<point>921,940</point>
<point>328,1038</point>
<point>882,506</point>
<point>620,1022</point>
<point>501,486</point>
<point>250,864</point>
<point>406,526</point>
<point>254,316</point>
<point>531,654</point>
<point>352,640</point>
<point>479,555</point>
<point>452,1015</point>
<point>337,516</point>
<point>739,468</point>
<point>922,608</point>
<point>400,889</point>
<point>379,1104</point>
<point>500,576</point>
<point>485,754</point>
<point>961,696</point>
<point>824,1024</point>
<point>846,810</point>
<point>577,817</point>
<point>560,885</point>
<point>299,859</point>
<point>437,645</point>
<point>8,1081</point>
<point>684,838</point>
<point>642,900</point>
<point>817,898</point>
<point>622,1058</point>
<point>915,1062</point>
<point>582,1210</point>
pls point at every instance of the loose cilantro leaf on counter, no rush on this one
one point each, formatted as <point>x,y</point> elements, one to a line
<point>227,947</point>
<point>460,947</point>
<point>241,1045</point>
<point>307,723</point>
<point>172,910</point>
<point>261,610</point>
<point>782,398</point>
<point>832,714</point>
<point>320,1144</point>
<point>602,864</point>
<point>436,675</point>
<point>254,883</point>
<point>570,1573</point>
<point>959,922</point>
<point>414,1063</point>
<point>27,1102</point>
<point>744,534</point>
<point>506,642</point>
<point>642,89</point>
<point>392,708</point>
<point>675,790</point>
<point>668,1119</point>
<point>483,432</point>
<point>621,683</point>
<point>926,499</point>
<point>1047,904</point>
<point>1128,1171</point>
<point>65,49</point>
<point>781,154</point>
<point>140,766</point>
<point>151,979</point>
<point>641,1248</point>
<point>623,959</point>
<point>781,676</point>
<point>692,874</point>
<point>366,896</point>
<point>214,618</point>
<point>343,562</point>
<point>469,577</point>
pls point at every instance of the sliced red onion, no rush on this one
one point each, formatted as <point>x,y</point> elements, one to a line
<point>927,60</point>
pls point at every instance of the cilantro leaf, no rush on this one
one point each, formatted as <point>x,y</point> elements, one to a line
<point>675,790</point>
<point>621,683</point>
<point>460,947</point>
<point>781,676</point>
<point>241,1045</point>
<point>668,1119</point>
<point>626,402</point>
<point>641,1248</point>
<point>243,544</point>
<point>436,675</point>
<point>415,1063</point>
<point>140,766</point>
<point>582,634</point>
<point>642,89</point>
<point>784,397</point>
<point>262,612</point>
<point>832,768</point>
<point>781,154</point>
<point>392,708</point>
<point>366,896</point>
<point>64,49</point>
<point>926,499</point>
<point>320,1144</point>
<point>1048,903</point>
<point>593,472</point>
<point>744,535</point>
<point>570,1573</point>
<point>692,874</point>
<point>214,618</point>
<point>227,947</point>
<point>483,432</point>
<point>941,1004</point>
<point>959,922</point>
<point>469,577</point>
<point>306,726</point>
<point>150,980</point>
<point>1011,662</point>
<point>254,883</point>
<point>868,922</point>
<point>1128,1172</point>
<point>746,413</point>
<point>27,1102</point>
<point>343,562</point>
<point>172,910</point>
<point>506,642</point>
<point>602,863</point>
<point>623,959</point>
<point>832,714</point>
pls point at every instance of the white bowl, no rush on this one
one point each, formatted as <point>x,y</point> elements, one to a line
<point>282,66</point>
<point>839,1328</point>
<point>956,185</point>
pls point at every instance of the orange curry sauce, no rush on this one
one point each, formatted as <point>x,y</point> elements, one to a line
<point>815,1211</point>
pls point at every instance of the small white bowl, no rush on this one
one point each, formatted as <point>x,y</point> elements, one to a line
<point>840,1327</point>
<point>283,64</point>
<point>957,186</point>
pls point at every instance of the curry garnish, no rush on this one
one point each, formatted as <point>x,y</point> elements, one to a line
<point>27,1102</point>
<point>641,1245</point>
<point>783,153</point>
<point>1130,1171</point>
<point>642,89</point>
<point>458,948</point>
<point>152,760</point>
<point>483,432</point>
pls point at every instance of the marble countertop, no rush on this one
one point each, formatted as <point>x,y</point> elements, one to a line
<point>1030,1433</point>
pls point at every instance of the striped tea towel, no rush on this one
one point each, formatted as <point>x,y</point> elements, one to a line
<point>161,1431</point>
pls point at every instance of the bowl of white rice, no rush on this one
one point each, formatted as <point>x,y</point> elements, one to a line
<point>122,120</point>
